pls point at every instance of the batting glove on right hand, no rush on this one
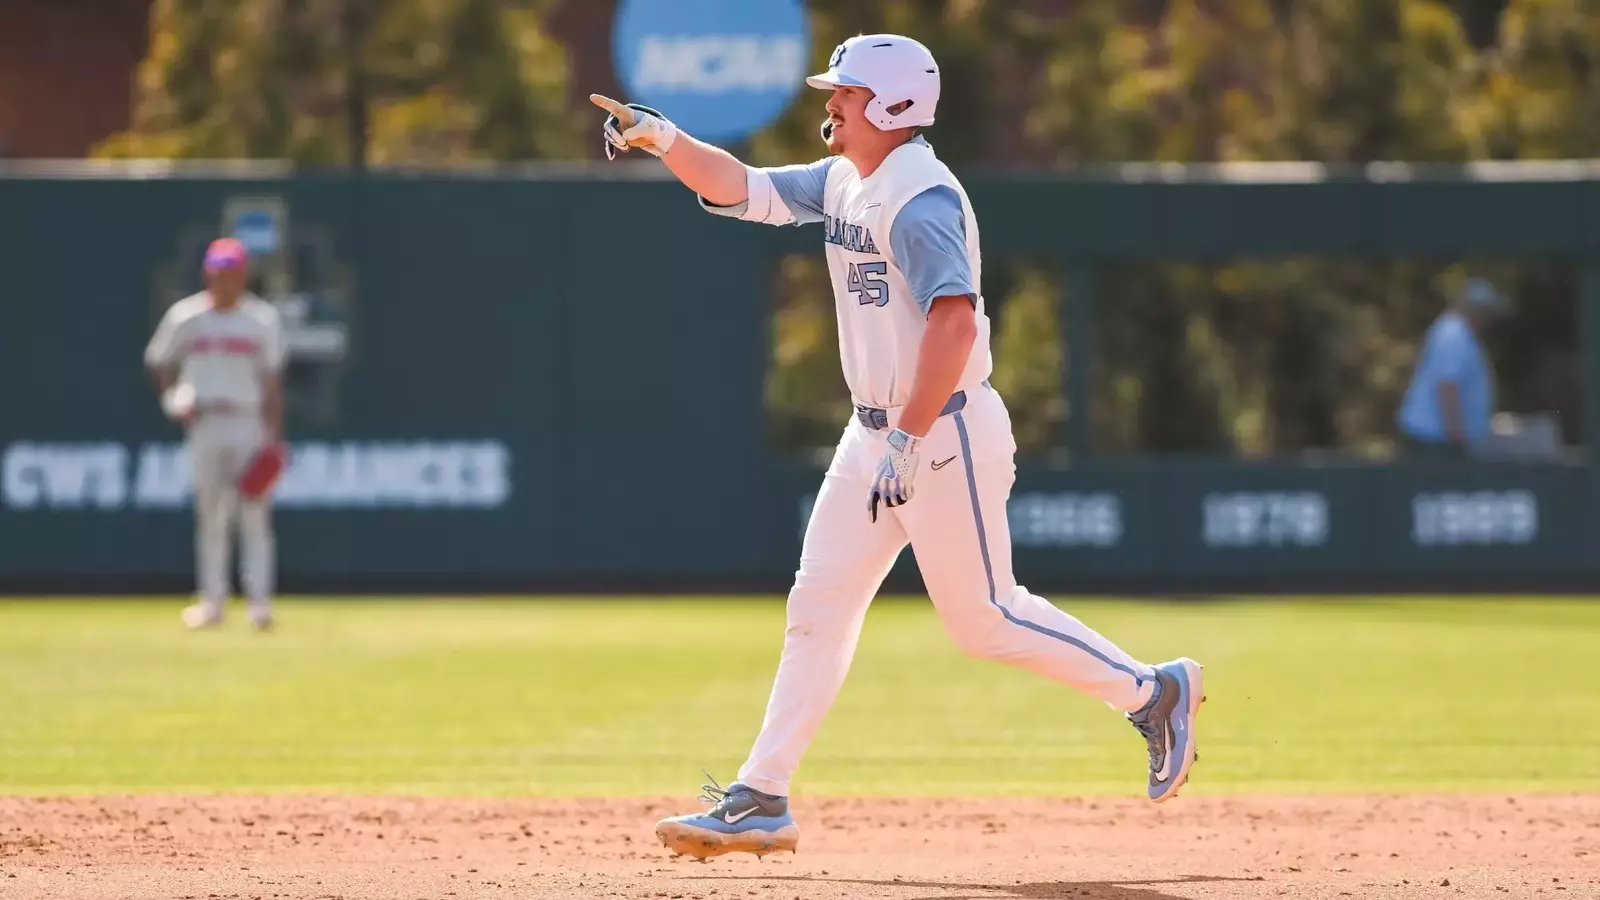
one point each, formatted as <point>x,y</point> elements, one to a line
<point>635,125</point>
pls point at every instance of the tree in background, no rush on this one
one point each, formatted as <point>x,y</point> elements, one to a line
<point>1541,83</point>
<point>420,81</point>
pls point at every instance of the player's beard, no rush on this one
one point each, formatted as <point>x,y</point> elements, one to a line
<point>830,136</point>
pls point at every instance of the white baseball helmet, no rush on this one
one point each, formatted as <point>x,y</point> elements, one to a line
<point>896,69</point>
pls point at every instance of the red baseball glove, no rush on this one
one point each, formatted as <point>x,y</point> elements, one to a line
<point>263,471</point>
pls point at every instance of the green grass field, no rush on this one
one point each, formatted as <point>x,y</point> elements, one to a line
<point>633,697</point>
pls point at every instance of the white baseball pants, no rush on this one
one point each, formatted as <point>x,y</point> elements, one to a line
<point>220,446</point>
<point>956,525</point>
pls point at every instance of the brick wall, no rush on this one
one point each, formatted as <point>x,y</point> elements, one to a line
<point>66,73</point>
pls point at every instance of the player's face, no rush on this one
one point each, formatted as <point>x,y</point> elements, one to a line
<point>847,110</point>
<point>227,283</point>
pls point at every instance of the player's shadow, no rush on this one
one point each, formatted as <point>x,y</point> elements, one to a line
<point>1043,890</point>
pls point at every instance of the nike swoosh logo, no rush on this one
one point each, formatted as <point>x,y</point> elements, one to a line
<point>869,206</point>
<point>736,818</point>
<point>940,465</point>
<point>1166,760</point>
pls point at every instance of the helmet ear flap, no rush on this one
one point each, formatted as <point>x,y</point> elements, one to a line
<point>884,114</point>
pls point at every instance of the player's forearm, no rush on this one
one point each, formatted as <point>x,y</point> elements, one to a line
<point>709,171</point>
<point>946,346</point>
<point>1450,411</point>
<point>162,377</point>
<point>272,418</point>
<point>272,410</point>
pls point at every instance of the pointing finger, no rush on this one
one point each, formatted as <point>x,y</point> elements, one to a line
<point>624,115</point>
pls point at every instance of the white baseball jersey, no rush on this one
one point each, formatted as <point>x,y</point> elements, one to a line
<point>221,354</point>
<point>895,241</point>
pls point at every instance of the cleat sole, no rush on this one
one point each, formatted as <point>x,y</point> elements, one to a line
<point>703,844</point>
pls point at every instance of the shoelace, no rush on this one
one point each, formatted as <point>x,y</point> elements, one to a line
<point>1152,737</point>
<point>712,793</point>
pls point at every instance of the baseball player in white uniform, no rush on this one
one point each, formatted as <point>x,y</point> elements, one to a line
<point>216,358</point>
<point>928,457</point>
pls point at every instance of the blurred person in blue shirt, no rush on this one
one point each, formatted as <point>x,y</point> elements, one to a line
<point>1447,408</point>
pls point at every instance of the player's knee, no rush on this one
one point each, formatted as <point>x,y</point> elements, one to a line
<point>814,605</point>
<point>981,636</point>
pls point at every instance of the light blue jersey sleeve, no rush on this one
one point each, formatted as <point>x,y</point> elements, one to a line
<point>929,239</point>
<point>800,187</point>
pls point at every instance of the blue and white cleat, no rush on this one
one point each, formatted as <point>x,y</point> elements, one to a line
<point>1167,723</point>
<point>742,820</point>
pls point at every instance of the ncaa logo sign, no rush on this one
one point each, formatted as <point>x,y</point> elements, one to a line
<point>720,69</point>
<point>258,232</point>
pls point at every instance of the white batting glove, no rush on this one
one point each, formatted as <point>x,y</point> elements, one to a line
<point>892,483</point>
<point>178,402</point>
<point>634,125</point>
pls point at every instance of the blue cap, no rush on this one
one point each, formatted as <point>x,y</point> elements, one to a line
<point>1481,295</point>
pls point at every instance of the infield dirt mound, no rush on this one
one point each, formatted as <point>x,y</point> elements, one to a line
<point>425,849</point>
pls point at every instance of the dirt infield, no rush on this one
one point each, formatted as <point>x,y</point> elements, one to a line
<point>420,849</point>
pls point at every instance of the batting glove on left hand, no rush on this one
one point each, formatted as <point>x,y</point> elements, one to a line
<point>892,484</point>
<point>635,125</point>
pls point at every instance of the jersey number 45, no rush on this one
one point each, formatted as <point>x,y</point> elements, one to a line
<point>867,288</point>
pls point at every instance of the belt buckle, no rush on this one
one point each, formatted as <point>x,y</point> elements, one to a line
<point>873,418</point>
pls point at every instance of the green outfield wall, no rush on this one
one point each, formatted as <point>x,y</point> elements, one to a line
<point>503,381</point>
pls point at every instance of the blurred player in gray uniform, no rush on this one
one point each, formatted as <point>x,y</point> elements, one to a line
<point>216,357</point>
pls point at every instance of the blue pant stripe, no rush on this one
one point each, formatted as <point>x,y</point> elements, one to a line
<point>988,567</point>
